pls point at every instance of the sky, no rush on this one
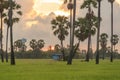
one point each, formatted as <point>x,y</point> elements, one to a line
<point>37,14</point>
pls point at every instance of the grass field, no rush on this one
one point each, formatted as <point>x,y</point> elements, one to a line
<point>28,69</point>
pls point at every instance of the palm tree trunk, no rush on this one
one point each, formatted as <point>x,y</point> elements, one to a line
<point>11,34</point>
<point>98,32</point>
<point>88,52</point>
<point>103,52</point>
<point>76,47</point>
<point>7,44</point>
<point>2,54</point>
<point>62,50</point>
<point>114,52</point>
<point>111,58</point>
<point>69,62</point>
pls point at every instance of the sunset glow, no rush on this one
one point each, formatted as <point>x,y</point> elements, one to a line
<point>118,1</point>
<point>45,7</point>
<point>30,23</point>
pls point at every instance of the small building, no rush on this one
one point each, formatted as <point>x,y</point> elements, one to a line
<point>57,56</point>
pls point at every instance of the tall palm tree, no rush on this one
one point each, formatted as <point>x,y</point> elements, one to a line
<point>98,31</point>
<point>115,40</point>
<point>91,20</point>
<point>103,43</point>
<point>60,29</point>
<point>1,29</point>
<point>111,2</point>
<point>16,7</point>
<point>72,27</point>
<point>10,15</point>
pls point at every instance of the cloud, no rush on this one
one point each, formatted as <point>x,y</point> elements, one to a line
<point>40,28</point>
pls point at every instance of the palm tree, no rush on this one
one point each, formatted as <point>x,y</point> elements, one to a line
<point>16,7</point>
<point>115,40</point>
<point>91,20</point>
<point>80,31</point>
<point>57,47</point>
<point>98,31</point>
<point>1,30</point>
<point>111,1</point>
<point>72,27</point>
<point>60,29</point>
<point>33,44</point>
<point>103,43</point>
<point>40,43</point>
<point>18,44</point>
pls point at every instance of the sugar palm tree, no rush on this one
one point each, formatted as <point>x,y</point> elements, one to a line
<point>57,47</point>
<point>33,44</point>
<point>111,2</point>
<point>91,20</point>
<point>18,13</point>
<point>2,7</point>
<point>40,43</point>
<point>60,29</point>
<point>18,44</point>
<point>72,27</point>
<point>115,40</point>
<point>103,43</point>
<point>80,31</point>
<point>98,31</point>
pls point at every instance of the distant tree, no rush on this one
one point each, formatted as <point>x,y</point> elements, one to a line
<point>40,43</point>
<point>37,45</point>
<point>19,45</point>
<point>103,43</point>
<point>115,40</point>
<point>57,47</point>
<point>33,44</point>
<point>60,29</point>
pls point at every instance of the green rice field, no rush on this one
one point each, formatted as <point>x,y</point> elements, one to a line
<point>47,69</point>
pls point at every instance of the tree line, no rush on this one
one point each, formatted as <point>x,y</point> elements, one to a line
<point>82,28</point>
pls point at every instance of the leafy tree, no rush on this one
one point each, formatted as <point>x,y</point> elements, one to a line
<point>103,43</point>
<point>60,29</point>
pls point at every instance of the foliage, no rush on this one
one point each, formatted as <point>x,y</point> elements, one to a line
<point>37,44</point>
<point>60,27</point>
<point>115,39</point>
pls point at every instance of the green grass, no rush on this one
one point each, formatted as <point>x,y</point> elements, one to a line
<point>28,69</point>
